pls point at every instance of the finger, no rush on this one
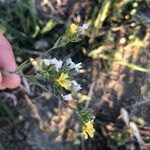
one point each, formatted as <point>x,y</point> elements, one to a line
<point>7,61</point>
<point>1,87</point>
<point>0,78</point>
<point>11,81</point>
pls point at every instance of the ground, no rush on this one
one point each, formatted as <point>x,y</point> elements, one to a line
<point>42,122</point>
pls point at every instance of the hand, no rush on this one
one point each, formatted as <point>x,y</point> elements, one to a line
<point>7,62</point>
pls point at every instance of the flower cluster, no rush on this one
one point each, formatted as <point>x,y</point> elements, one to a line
<point>62,74</point>
<point>72,34</point>
<point>88,129</point>
<point>86,118</point>
<point>75,29</point>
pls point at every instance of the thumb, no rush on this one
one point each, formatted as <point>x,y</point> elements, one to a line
<point>7,62</point>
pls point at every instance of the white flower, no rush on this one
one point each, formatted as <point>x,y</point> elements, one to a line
<point>76,86</point>
<point>77,66</point>
<point>46,61</point>
<point>69,61</point>
<point>67,97</point>
<point>83,28</point>
<point>55,62</point>
<point>72,65</point>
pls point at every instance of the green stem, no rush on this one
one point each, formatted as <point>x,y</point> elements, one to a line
<point>43,54</point>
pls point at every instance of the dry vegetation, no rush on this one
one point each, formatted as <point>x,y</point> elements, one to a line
<point>116,60</point>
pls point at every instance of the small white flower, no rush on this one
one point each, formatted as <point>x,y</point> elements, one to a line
<point>46,61</point>
<point>67,97</point>
<point>76,86</point>
<point>69,61</point>
<point>72,65</point>
<point>83,28</point>
<point>77,66</point>
<point>57,63</point>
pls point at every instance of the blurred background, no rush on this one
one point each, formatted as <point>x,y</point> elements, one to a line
<point>115,52</point>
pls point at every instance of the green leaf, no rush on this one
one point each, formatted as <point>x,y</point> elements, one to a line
<point>33,80</point>
<point>37,30</point>
<point>49,26</point>
<point>7,111</point>
<point>134,66</point>
<point>125,63</point>
<point>58,42</point>
<point>102,13</point>
<point>85,115</point>
<point>22,66</point>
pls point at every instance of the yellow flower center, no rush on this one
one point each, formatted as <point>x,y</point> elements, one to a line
<point>64,81</point>
<point>88,129</point>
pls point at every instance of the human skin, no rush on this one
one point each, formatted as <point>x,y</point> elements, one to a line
<point>7,62</point>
